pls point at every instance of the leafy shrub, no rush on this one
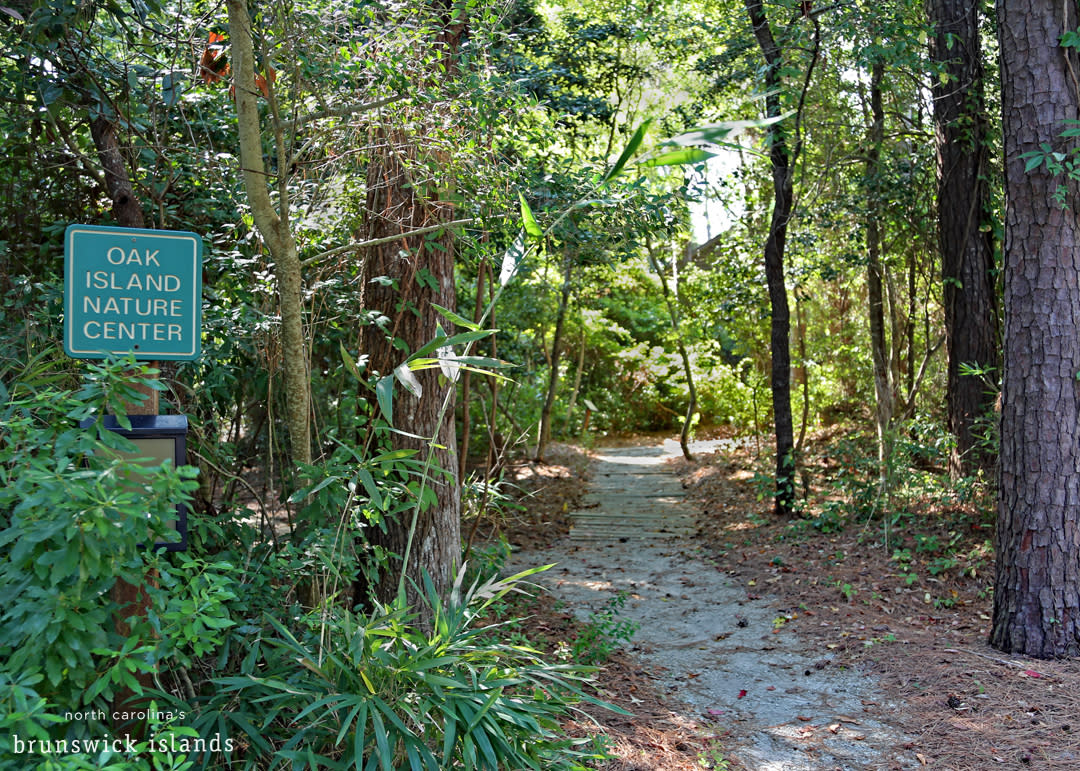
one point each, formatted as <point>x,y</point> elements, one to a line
<point>604,632</point>
<point>73,517</point>
<point>342,690</point>
<point>831,519</point>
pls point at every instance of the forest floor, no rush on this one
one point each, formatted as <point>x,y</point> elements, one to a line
<point>820,643</point>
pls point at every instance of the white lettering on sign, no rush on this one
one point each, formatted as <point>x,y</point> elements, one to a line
<point>131,290</point>
<point>132,330</point>
<point>117,256</point>
<point>140,306</point>
<point>161,282</point>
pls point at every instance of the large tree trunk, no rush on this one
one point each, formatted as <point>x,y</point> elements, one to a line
<point>422,271</point>
<point>1037,589</point>
<point>780,157</point>
<point>967,252</point>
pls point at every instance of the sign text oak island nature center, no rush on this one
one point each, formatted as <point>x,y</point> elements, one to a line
<point>130,290</point>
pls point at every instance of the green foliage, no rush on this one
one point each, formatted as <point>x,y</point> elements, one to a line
<point>74,518</point>
<point>831,519</point>
<point>1058,163</point>
<point>74,514</point>
<point>377,691</point>
<point>604,632</point>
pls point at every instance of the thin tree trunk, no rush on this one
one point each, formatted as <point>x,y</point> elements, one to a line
<point>126,206</point>
<point>671,298</point>
<point>273,226</point>
<point>1036,596</point>
<point>572,404</point>
<point>909,328</point>
<point>878,350</point>
<point>496,448</point>
<point>803,373</point>
<point>967,252</point>
<point>556,353</point>
<point>780,157</point>
<point>466,379</point>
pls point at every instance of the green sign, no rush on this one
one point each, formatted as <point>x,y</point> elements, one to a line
<point>129,290</point>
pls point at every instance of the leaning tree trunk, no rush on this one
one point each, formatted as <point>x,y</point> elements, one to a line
<point>967,249</point>
<point>1037,587</point>
<point>780,157</point>
<point>671,299</point>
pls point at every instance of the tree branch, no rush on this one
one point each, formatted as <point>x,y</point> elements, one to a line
<point>341,111</point>
<point>384,240</point>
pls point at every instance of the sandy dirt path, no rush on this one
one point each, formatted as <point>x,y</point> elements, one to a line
<point>718,647</point>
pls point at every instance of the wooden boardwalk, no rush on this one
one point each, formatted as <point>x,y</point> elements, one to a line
<point>633,497</point>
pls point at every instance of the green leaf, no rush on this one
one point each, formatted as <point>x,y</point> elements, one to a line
<point>381,740</point>
<point>442,341</point>
<point>450,727</point>
<point>531,226</point>
<point>1034,160</point>
<point>461,321</point>
<point>628,152</point>
<point>171,88</point>
<point>684,157</point>
<point>484,361</point>
<point>251,732</point>
<point>719,134</point>
<point>300,495</point>
<point>384,394</point>
<point>350,363</point>
<point>358,737</point>
<point>368,481</point>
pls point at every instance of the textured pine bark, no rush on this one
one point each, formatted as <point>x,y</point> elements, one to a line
<point>422,271</point>
<point>1037,590</point>
<point>967,253</point>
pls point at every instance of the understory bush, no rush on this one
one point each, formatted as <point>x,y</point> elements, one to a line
<point>341,689</point>
<point>75,515</point>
